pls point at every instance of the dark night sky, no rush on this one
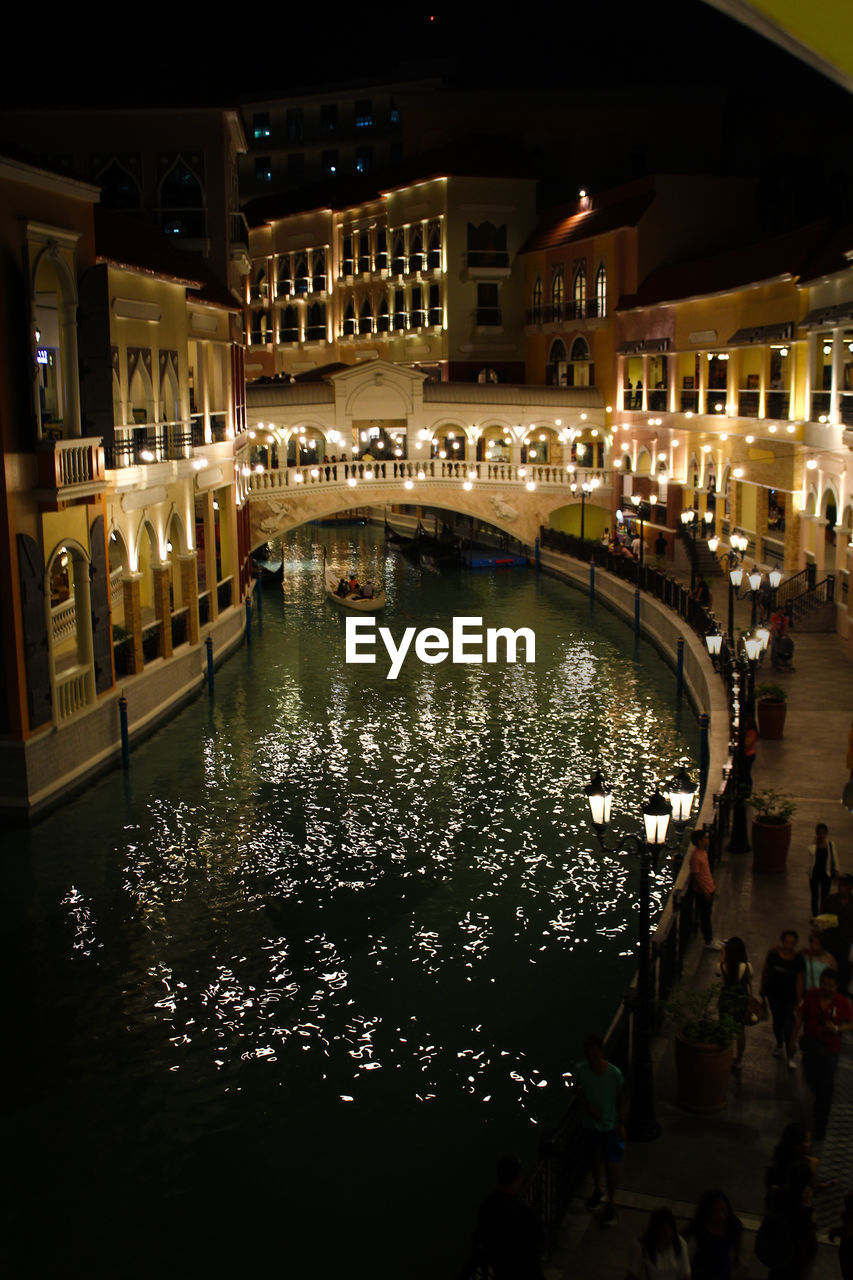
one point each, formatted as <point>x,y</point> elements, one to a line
<point>175,54</point>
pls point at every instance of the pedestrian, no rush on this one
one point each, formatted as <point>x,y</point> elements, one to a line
<point>736,972</point>
<point>603,1121</point>
<point>750,746</point>
<point>660,1253</point>
<point>815,959</point>
<point>782,988</point>
<point>823,867</point>
<point>703,887</point>
<point>823,1015</point>
<point>839,938</point>
<point>786,1241</point>
<point>702,592</point>
<point>715,1234</point>
<point>844,1234</point>
<point>509,1235</point>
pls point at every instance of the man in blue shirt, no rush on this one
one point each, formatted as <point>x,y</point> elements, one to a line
<point>603,1089</point>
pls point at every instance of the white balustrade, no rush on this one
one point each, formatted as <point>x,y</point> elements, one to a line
<point>70,692</point>
<point>116,597</point>
<point>432,470</point>
<point>63,620</point>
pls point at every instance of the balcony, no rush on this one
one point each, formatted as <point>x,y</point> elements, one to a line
<point>689,402</point>
<point>747,403</point>
<point>486,264</point>
<point>776,404</point>
<point>147,443</point>
<point>715,401</point>
<point>488,317</point>
<point>69,471</point>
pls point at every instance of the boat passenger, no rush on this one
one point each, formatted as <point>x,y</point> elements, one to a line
<point>353,583</point>
<point>368,590</point>
<point>342,588</point>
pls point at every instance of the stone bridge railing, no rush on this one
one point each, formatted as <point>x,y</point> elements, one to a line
<point>376,475</point>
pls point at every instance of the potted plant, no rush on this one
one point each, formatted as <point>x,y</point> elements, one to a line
<point>703,1047</point>
<point>771,700</point>
<point>771,829</point>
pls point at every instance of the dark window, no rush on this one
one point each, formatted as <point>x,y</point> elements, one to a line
<point>182,203</point>
<point>289,331</point>
<point>261,124</point>
<point>537,301</point>
<point>487,245</point>
<point>398,253</point>
<point>330,162</point>
<point>394,113</point>
<point>119,190</point>
<point>434,246</point>
<point>329,117</point>
<point>363,159</point>
<point>295,124</point>
<point>347,258</point>
<point>296,164</point>
<point>284,278</point>
<point>365,317</point>
<point>396,152</point>
<point>318,270</point>
<point>416,316</point>
<point>364,251</point>
<point>300,273</point>
<point>364,114</point>
<point>416,244</point>
<point>316,328</point>
<point>263,169</point>
<point>381,249</point>
<point>435,316</point>
<point>383,322</point>
<point>349,318</point>
<point>488,311</point>
<point>399,309</point>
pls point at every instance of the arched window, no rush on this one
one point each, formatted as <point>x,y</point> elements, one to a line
<point>289,331</point>
<point>365,317</point>
<point>601,291</point>
<point>537,301</point>
<point>182,203</point>
<point>557,296</point>
<point>300,273</point>
<point>284,279</point>
<point>434,246</point>
<point>487,245</point>
<point>316,327</point>
<point>119,189</point>
<point>579,292</point>
<point>557,365</point>
<point>580,367</point>
<point>416,244</point>
<point>487,376</point>
<point>349,318</point>
<point>383,320</point>
<point>318,270</point>
<point>398,252</point>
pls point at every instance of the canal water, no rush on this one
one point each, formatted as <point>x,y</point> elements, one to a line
<point>280,995</point>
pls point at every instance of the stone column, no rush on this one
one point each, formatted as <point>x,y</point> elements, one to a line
<point>839,347</point>
<point>671,380</point>
<point>645,404</point>
<point>163,607</point>
<point>189,594</point>
<point>760,522</point>
<point>703,379</point>
<point>130,587</point>
<point>808,381</point>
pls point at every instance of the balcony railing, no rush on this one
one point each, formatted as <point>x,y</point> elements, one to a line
<point>689,401</point>
<point>480,259</point>
<point>715,400</point>
<point>821,405</point>
<point>71,467</point>
<point>776,404</point>
<point>747,403</point>
<point>394,471</point>
<point>147,443</point>
<point>71,692</point>
<point>657,400</point>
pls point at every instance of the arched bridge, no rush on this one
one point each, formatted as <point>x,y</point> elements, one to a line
<point>516,499</point>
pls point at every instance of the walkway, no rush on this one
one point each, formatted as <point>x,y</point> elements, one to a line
<point>732,1149</point>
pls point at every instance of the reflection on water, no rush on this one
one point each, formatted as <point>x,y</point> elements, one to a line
<point>335,938</point>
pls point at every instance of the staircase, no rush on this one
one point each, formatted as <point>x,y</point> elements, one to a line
<point>705,562</point>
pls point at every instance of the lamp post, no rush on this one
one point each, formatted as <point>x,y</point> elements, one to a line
<point>754,580</point>
<point>690,520</point>
<point>657,813</point>
<point>586,490</point>
<point>775,578</point>
<point>642,511</point>
<point>732,558</point>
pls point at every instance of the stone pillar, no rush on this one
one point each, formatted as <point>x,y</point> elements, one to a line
<point>792,562</point>
<point>645,405</point>
<point>703,380</point>
<point>163,607</point>
<point>71,377</point>
<point>130,587</point>
<point>760,522</point>
<point>83,609</point>
<point>839,348</point>
<point>189,594</point>
<point>810,372</point>
<point>671,380</point>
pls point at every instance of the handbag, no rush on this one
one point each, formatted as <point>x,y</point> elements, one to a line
<point>756,1011</point>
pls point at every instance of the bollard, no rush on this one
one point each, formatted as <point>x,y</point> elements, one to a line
<point>704,749</point>
<point>536,553</point>
<point>679,672</point>
<point>209,645</point>
<point>637,613</point>
<point>248,619</point>
<point>125,736</point>
<point>592,582</point>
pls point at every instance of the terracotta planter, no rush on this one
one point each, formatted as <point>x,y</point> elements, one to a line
<point>770,844</point>
<point>703,1072</point>
<point>771,719</point>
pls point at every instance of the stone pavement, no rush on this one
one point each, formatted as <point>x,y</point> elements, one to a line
<point>732,1149</point>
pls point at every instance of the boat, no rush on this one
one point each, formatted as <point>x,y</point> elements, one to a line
<point>354,599</point>
<point>269,571</point>
<point>406,544</point>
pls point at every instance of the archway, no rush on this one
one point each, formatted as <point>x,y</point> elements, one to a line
<point>69,602</point>
<point>542,445</point>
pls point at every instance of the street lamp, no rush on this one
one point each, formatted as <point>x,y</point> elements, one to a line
<point>714,641</point>
<point>735,579</point>
<point>754,579</point>
<point>643,512</point>
<point>775,577</point>
<point>586,489</point>
<point>657,814</point>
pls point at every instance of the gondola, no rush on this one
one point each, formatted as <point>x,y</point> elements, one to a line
<point>352,600</point>
<point>402,542</point>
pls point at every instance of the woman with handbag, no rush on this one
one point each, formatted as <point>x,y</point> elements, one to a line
<point>736,972</point>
